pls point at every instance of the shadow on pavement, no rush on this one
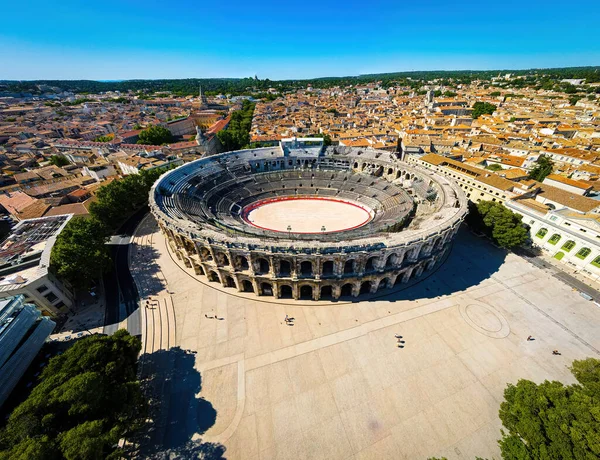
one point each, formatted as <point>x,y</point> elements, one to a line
<point>171,382</point>
<point>471,262</point>
<point>146,269</point>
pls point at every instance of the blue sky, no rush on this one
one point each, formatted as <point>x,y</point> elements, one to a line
<point>125,39</point>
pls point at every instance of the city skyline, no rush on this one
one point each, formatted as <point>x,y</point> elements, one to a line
<point>141,41</point>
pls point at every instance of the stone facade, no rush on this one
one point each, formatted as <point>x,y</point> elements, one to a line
<point>346,264</point>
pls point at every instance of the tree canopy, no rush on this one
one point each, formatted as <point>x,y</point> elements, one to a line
<point>155,135</point>
<point>79,254</point>
<point>481,108</point>
<point>237,133</point>
<point>542,169</point>
<point>119,199</point>
<point>498,222</point>
<point>553,420</point>
<point>59,160</point>
<point>87,399</point>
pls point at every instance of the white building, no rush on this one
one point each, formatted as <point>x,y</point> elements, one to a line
<point>99,172</point>
<point>23,331</point>
<point>24,262</point>
<point>563,223</point>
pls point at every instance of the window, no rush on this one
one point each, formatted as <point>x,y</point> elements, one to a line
<point>51,296</point>
<point>596,262</point>
<point>583,253</point>
<point>42,288</point>
<point>541,232</point>
<point>568,245</point>
<point>554,239</point>
<point>553,218</point>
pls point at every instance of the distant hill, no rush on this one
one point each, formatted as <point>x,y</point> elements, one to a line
<point>237,86</point>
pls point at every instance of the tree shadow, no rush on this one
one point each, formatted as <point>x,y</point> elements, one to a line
<point>176,413</point>
<point>145,268</point>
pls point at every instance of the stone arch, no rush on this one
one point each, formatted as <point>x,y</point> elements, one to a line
<point>371,263</point>
<point>222,258</point>
<point>286,291</point>
<point>247,286</point>
<point>306,292</point>
<point>205,254</point>
<point>347,290</point>
<point>306,268</point>
<point>384,284</point>
<point>391,261</point>
<point>365,287</point>
<point>285,268</point>
<point>326,292</point>
<point>242,262</point>
<point>349,267</point>
<point>328,267</point>
<point>212,276</point>
<point>266,289</point>
<point>263,266</point>
<point>229,282</point>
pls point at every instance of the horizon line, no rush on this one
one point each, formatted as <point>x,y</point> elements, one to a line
<point>121,80</point>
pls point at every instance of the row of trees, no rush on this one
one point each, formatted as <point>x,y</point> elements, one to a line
<point>499,223</point>
<point>552,420</point>
<point>87,399</point>
<point>237,134</point>
<point>80,254</point>
<point>155,135</point>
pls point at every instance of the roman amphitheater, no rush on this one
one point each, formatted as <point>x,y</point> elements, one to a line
<point>305,221</point>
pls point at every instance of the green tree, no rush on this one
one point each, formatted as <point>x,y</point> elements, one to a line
<point>498,222</point>
<point>494,167</point>
<point>542,169</point>
<point>106,138</point>
<point>552,420</point>
<point>79,255</point>
<point>237,133</point>
<point>59,160</point>
<point>481,108</point>
<point>573,99</point>
<point>86,400</point>
<point>155,135</point>
<point>119,199</point>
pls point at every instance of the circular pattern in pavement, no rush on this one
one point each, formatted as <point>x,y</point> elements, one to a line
<point>486,320</point>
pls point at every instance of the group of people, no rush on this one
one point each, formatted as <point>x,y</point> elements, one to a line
<point>213,317</point>
<point>400,343</point>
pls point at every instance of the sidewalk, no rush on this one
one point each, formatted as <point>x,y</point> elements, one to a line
<point>87,317</point>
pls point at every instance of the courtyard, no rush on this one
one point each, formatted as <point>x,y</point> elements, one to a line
<point>225,369</point>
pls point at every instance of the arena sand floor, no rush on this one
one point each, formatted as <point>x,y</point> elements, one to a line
<point>335,384</point>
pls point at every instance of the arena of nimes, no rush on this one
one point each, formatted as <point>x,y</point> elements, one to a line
<point>305,221</point>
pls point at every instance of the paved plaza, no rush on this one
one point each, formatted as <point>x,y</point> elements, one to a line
<point>335,384</point>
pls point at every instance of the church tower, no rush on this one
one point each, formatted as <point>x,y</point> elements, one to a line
<point>202,97</point>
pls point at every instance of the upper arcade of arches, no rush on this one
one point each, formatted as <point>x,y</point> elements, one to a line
<point>205,199</point>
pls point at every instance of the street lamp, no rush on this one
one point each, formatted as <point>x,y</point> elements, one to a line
<point>289,229</point>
